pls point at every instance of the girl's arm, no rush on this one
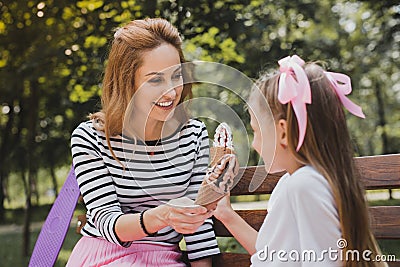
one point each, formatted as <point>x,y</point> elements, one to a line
<point>239,228</point>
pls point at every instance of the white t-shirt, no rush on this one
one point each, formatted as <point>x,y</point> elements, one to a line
<point>302,226</point>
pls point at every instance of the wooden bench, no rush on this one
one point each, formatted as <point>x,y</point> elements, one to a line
<point>377,172</point>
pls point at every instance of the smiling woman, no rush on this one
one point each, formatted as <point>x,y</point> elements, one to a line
<point>128,220</point>
<point>159,86</point>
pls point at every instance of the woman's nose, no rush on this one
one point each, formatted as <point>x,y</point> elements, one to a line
<point>171,93</point>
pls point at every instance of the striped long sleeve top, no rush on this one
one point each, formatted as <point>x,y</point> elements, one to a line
<point>155,172</point>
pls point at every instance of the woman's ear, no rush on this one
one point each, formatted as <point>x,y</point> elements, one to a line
<point>282,133</point>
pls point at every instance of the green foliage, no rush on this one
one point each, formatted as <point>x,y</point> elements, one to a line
<point>229,244</point>
<point>210,46</point>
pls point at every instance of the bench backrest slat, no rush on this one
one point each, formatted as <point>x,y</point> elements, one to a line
<point>377,172</point>
<point>385,221</point>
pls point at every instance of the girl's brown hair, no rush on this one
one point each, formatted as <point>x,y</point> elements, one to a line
<point>327,147</point>
<point>125,57</point>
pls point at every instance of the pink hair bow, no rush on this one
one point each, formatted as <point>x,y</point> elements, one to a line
<point>342,85</point>
<point>294,87</point>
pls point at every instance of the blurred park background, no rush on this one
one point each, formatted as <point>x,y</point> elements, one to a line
<point>52,55</point>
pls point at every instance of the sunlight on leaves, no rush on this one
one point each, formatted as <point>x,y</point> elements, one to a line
<point>95,41</point>
<point>90,4</point>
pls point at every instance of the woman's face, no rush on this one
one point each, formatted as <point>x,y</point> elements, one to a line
<point>158,83</point>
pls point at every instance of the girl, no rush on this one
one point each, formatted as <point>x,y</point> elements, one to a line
<point>128,222</point>
<point>318,207</point>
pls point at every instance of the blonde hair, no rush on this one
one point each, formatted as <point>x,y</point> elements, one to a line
<point>327,147</point>
<point>125,57</point>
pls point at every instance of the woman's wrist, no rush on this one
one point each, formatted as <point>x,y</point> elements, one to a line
<point>143,226</point>
<point>153,219</point>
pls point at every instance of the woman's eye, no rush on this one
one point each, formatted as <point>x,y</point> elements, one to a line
<point>155,80</point>
<point>177,76</point>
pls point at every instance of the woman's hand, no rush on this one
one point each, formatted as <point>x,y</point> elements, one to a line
<point>187,220</point>
<point>184,220</point>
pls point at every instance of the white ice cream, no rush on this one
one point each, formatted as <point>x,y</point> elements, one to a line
<point>223,136</point>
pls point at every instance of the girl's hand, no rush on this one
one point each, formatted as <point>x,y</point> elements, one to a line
<point>215,172</point>
<point>224,209</point>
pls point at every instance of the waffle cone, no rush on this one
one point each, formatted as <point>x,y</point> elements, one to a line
<point>216,154</point>
<point>207,195</point>
<point>210,193</point>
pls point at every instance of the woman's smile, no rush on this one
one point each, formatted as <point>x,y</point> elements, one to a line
<point>165,105</point>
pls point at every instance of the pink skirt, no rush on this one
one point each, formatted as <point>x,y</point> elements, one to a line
<point>95,252</point>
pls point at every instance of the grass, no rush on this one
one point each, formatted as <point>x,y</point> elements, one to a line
<point>389,202</point>
<point>11,248</point>
<point>390,247</point>
<point>11,241</point>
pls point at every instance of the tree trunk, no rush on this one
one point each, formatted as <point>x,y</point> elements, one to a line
<point>32,163</point>
<point>381,118</point>
<point>2,210</point>
<point>382,123</point>
<point>27,217</point>
<point>54,180</point>
<point>5,192</point>
<point>5,154</point>
<point>35,191</point>
<point>25,184</point>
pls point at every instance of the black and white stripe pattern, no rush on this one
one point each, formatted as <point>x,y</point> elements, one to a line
<point>153,173</point>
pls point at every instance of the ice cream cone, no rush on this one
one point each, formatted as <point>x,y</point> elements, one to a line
<point>207,196</point>
<point>213,189</point>
<point>217,152</point>
<point>223,169</point>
